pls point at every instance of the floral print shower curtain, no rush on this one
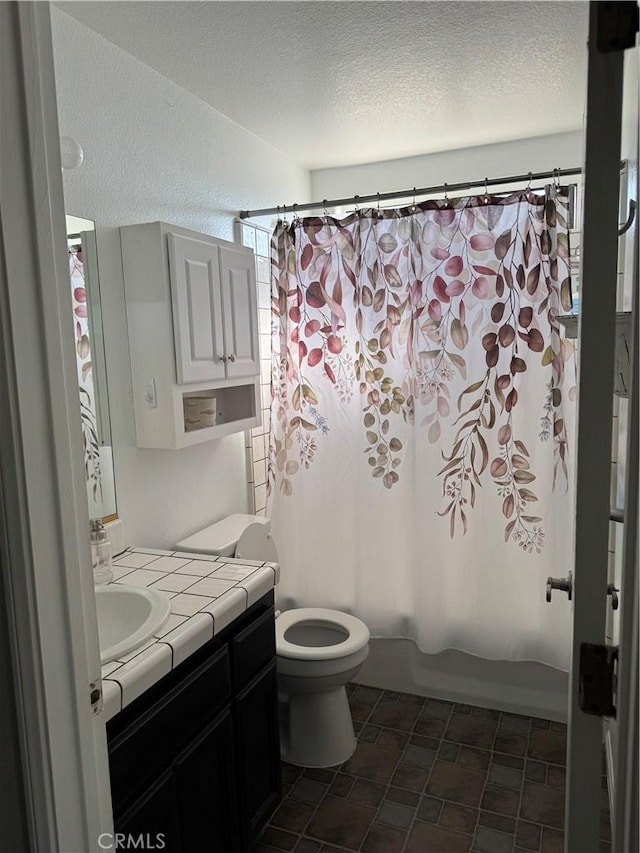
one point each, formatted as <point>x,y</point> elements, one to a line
<point>422,420</point>
<point>84,364</point>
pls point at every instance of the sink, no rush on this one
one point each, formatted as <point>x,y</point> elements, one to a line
<point>128,616</point>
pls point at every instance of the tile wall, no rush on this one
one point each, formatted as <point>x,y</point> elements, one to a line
<point>257,440</point>
<point>620,414</point>
<point>620,405</point>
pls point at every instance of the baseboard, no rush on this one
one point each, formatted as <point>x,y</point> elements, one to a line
<point>518,687</point>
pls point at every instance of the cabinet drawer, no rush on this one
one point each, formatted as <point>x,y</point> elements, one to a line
<point>157,735</point>
<point>253,648</point>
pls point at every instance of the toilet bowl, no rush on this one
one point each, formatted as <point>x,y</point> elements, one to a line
<point>318,652</point>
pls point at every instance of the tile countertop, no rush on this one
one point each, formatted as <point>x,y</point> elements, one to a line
<point>207,593</point>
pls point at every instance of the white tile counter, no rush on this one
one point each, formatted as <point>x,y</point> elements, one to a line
<point>207,594</point>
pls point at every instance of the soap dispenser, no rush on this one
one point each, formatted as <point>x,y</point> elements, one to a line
<point>100,552</point>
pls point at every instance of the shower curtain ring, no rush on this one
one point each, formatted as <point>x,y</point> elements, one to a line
<point>356,203</point>
<point>486,191</point>
<point>295,212</point>
<point>414,198</point>
<point>530,179</point>
<point>378,195</point>
<point>446,195</point>
<point>324,207</point>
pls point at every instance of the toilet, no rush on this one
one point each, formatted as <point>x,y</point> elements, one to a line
<point>318,652</point>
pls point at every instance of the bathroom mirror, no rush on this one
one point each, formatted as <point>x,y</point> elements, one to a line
<point>90,360</point>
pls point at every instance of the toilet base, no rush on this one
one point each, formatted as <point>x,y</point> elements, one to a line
<point>317,729</point>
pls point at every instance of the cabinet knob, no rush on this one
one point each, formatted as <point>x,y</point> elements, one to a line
<point>223,359</point>
<point>232,357</point>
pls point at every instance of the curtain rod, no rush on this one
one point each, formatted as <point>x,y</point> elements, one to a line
<point>377,197</point>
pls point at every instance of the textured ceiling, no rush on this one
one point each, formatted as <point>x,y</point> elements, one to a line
<point>335,83</point>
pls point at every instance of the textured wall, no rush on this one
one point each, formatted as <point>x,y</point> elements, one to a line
<point>153,151</point>
<point>537,154</point>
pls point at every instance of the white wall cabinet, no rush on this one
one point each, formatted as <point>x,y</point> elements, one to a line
<point>214,299</point>
<point>193,334</point>
<point>239,301</point>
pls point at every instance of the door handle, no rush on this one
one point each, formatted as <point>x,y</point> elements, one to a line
<point>562,584</point>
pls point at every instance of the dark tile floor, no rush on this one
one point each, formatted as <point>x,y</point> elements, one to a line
<point>429,776</point>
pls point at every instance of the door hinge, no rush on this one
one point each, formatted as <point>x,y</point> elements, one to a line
<point>617,25</point>
<point>598,679</point>
<point>95,696</point>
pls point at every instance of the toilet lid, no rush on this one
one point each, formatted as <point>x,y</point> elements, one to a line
<point>221,537</point>
<point>357,630</point>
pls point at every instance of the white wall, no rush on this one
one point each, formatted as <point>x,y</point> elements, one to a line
<point>543,153</point>
<point>155,152</point>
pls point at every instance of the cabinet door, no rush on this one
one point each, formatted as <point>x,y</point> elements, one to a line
<point>258,749</point>
<point>205,785</point>
<point>197,309</point>
<point>239,297</point>
<point>154,818</point>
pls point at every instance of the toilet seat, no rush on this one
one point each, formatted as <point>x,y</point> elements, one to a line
<point>357,639</point>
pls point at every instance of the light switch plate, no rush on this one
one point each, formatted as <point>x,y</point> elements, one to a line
<point>150,396</point>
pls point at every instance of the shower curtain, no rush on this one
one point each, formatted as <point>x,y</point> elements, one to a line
<point>84,364</point>
<point>422,421</point>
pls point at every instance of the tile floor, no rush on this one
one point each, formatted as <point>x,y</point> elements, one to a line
<point>430,777</point>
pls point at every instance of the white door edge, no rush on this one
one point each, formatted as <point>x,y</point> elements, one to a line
<point>595,397</point>
<point>50,607</point>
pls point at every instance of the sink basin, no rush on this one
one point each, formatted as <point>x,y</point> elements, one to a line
<point>128,616</point>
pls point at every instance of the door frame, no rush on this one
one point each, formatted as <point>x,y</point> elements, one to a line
<point>595,410</point>
<point>49,612</point>
<point>47,619</point>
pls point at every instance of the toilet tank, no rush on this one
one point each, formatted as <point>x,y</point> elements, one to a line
<point>222,538</point>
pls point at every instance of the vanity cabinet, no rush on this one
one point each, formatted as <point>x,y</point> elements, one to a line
<point>194,801</point>
<point>193,335</point>
<point>197,757</point>
<point>257,729</point>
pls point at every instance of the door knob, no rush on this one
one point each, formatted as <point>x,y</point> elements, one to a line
<point>563,584</point>
<point>232,357</point>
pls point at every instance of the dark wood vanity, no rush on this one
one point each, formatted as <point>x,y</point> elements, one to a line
<point>197,756</point>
